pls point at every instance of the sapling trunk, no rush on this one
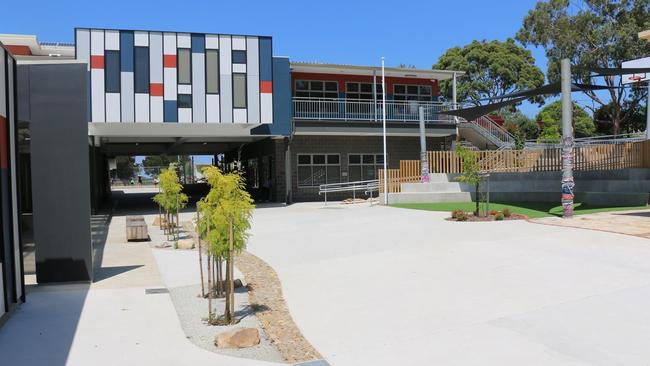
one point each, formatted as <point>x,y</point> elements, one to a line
<point>476,212</point>
<point>209,292</point>
<point>230,291</point>
<point>198,236</point>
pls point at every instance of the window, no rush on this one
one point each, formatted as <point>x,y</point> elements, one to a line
<point>141,71</point>
<point>364,166</point>
<point>212,71</point>
<point>239,90</point>
<point>112,70</point>
<point>412,92</point>
<point>238,57</point>
<point>252,174</point>
<point>316,89</point>
<point>184,101</point>
<point>361,91</point>
<point>317,169</point>
<point>184,66</point>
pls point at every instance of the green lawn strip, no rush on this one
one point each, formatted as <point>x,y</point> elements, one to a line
<point>530,209</point>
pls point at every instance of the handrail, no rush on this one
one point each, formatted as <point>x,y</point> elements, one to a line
<point>367,186</point>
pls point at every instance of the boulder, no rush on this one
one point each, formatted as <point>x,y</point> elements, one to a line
<point>238,338</point>
<point>185,244</point>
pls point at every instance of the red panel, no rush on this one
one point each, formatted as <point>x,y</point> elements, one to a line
<point>390,81</point>
<point>156,89</point>
<point>18,50</point>
<point>96,62</point>
<point>266,87</point>
<point>169,61</point>
<point>4,144</point>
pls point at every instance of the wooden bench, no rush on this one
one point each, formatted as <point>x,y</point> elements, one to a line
<point>136,228</point>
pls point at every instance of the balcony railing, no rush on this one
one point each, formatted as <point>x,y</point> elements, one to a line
<point>323,109</point>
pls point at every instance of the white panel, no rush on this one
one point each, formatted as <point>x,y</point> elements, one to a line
<point>212,41</point>
<point>185,115</point>
<point>239,115</point>
<point>97,42</point>
<point>141,107</point>
<point>253,79</point>
<point>170,84</point>
<point>198,87</point>
<point>239,43</point>
<point>3,105</point>
<point>185,89</point>
<point>184,40</point>
<point>128,97</point>
<point>266,107</point>
<point>112,40</point>
<point>82,43</point>
<point>97,95</point>
<point>241,68</point>
<point>157,109</point>
<point>155,58</point>
<point>141,39</point>
<point>212,108</point>
<point>170,43</point>
<point>225,86</point>
<point>113,107</point>
<point>14,184</point>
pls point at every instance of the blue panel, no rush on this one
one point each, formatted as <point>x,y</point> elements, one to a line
<point>126,50</point>
<point>198,43</point>
<point>112,71</point>
<point>266,60</point>
<point>171,111</point>
<point>281,125</point>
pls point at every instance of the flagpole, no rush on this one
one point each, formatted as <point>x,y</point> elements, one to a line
<point>383,117</point>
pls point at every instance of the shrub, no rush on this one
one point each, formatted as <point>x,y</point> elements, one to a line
<point>493,213</point>
<point>506,212</point>
<point>461,216</point>
<point>456,213</point>
<point>498,216</point>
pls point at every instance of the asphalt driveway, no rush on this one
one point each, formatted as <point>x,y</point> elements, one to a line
<point>386,286</point>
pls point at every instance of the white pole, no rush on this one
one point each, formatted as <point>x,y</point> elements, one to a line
<point>383,117</point>
<point>454,100</point>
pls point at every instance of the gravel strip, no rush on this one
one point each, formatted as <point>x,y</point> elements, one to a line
<point>266,292</point>
<point>193,311</point>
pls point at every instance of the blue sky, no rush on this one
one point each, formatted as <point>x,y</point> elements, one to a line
<point>349,32</point>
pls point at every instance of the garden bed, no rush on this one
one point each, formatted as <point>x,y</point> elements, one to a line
<point>473,218</point>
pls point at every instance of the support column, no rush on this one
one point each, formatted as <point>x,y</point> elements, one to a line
<point>424,162</point>
<point>568,183</point>
<point>647,115</point>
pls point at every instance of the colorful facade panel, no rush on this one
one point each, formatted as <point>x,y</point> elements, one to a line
<point>142,76</point>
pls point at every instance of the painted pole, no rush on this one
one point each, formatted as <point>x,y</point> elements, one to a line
<point>568,183</point>
<point>454,102</point>
<point>424,162</point>
<point>383,117</point>
<point>647,115</point>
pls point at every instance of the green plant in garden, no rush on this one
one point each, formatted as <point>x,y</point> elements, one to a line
<point>457,213</point>
<point>470,171</point>
<point>499,216</point>
<point>224,222</point>
<point>170,199</point>
<point>506,212</point>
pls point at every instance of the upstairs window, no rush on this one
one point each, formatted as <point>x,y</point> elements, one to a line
<point>141,72</point>
<point>316,89</point>
<point>212,71</point>
<point>355,90</point>
<point>412,92</point>
<point>112,70</point>
<point>238,57</point>
<point>184,66</point>
<point>239,90</point>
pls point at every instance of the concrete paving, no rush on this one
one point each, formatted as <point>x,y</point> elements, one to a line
<point>635,222</point>
<point>385,286</point>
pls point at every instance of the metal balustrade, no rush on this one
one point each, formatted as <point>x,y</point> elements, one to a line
<point>340,109</point>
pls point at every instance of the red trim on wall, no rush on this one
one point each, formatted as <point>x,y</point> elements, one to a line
<point>96,62</point>
<point>169,61</point>
<point>156,89</point>
<point>19,50</point>
<point>341,79</point>
<point>266,87</point>
<point>4,144</point>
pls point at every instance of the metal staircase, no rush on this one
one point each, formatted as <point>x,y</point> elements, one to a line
<point>490,131</point>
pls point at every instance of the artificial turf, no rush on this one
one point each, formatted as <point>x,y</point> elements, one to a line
<point>530,209</point>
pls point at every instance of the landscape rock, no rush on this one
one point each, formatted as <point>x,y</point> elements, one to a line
<point>185,244</point>
<point>238,338</point>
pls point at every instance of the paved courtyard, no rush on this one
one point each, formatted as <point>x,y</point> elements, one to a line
<point>387,286</point>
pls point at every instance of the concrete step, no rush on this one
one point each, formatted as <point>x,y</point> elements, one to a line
<point>431,187</point>
<point>429,197</point>
<point>438,177</point>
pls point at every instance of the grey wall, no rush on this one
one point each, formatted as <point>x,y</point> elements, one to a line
<point>57,113</point>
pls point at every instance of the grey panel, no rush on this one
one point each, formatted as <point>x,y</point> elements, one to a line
<point>156,57</point>
<point>225,68</point>
<point>60,172</point>
<point>253,76</point>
